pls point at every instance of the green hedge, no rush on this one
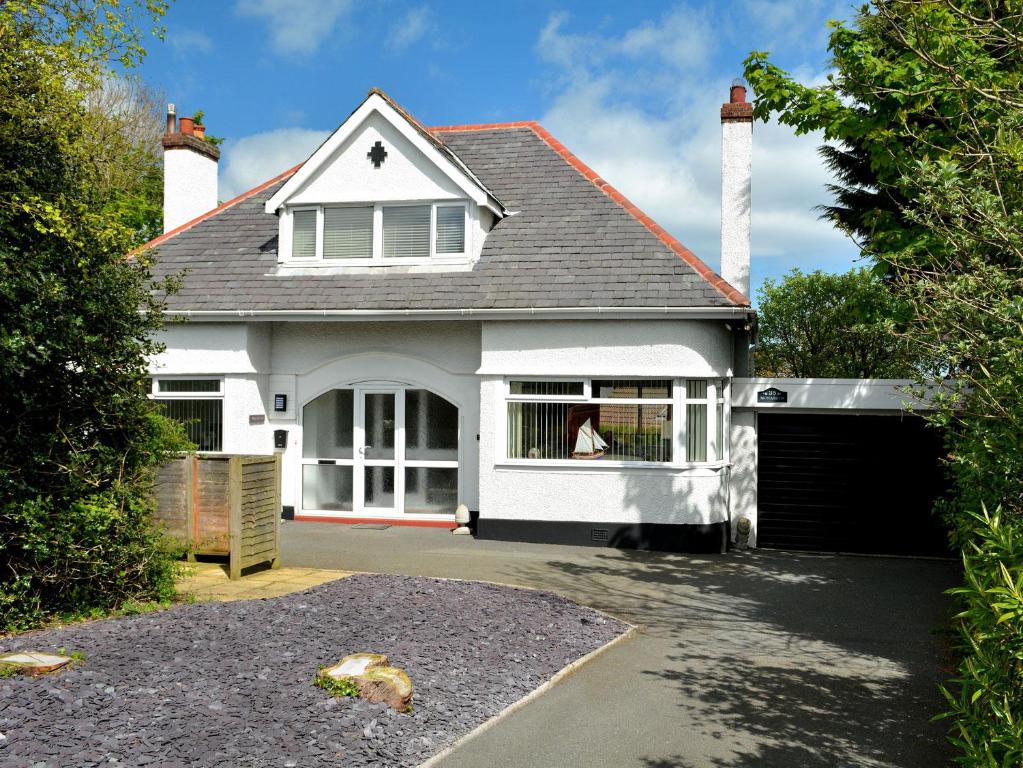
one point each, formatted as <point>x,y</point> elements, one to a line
<point>81,556</point>
<point>986,698</point>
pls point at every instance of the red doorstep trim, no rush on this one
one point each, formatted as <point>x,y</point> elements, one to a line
<point>717,282</point>
<point>222,207</point>
<point>375,520</point>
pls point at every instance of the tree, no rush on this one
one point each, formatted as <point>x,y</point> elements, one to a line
<point>925,100</point>
<point>77,321</point>
<point>835,326</point>
<point>122,140</point>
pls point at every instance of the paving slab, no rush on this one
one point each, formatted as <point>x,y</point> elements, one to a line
<point>746,659</point>
<point>210,581</point>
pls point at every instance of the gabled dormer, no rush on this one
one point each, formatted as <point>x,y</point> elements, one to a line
<point>381,192</point>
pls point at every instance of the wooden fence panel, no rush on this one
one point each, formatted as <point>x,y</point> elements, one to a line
<point>223,505</point>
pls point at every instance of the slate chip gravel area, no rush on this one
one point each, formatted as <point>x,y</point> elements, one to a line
<point>230,684</point>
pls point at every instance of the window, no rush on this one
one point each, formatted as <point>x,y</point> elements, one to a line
<point>616,420</point>
<point>198,404</point>
<point>696,419</point>
<point>303,240</point>
<point>450,229</point>
<point>547,388</point>
<point>348,232</point>
<point>407,232</point>
<point>377,233</point>
<point>719,444</point>
<point>627,420</point>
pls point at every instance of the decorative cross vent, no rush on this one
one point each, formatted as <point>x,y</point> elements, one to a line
<point>377,154</point>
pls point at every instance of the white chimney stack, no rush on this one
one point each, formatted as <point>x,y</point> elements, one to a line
<point>736,177</point>
<point>189,172</point>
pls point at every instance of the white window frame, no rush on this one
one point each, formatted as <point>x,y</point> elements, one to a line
<point>284,241</point>
<point>317,234</point>
<point>156,394</point>
<point>678,401</point>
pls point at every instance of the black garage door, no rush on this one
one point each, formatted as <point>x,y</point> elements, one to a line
<point>847,483</point>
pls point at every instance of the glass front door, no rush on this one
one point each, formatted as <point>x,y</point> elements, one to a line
<point>377,460</point>
<point>380,452</point>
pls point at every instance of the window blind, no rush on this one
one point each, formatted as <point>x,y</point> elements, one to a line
<point>303,238</point>
<point>546,388</point>
<point>348,233</point>
<point>406,232</point>
<point>203,420</point>
<point>189,385</point>
<point>450,229</point>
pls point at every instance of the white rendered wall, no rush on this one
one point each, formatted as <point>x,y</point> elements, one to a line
<point>736,175</point>
<point>607,348</point>
<point>589,492</point>
<point>742,485</point>
<point>300,347</point>
<point>240,353</point>
<point>243,397</point>
<point>845,395</point>
<point>303,360</point>
<point>212,348</point>
<point>189,186</point>
<point>441,357</point>
<point>350,177</point>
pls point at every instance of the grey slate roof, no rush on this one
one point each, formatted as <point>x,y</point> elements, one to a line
<point>569,246</point>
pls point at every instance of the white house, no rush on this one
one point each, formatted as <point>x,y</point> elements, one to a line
<point>422,317</point>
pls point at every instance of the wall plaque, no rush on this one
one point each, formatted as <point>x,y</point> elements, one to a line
<point>257,418</point>
<point>772,395</point>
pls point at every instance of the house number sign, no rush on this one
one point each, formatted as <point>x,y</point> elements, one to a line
<point>772,395</point>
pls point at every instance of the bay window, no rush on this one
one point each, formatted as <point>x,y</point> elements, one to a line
<point>376,233</point>
<point>629,421</point>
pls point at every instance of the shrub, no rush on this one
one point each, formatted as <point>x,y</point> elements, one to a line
<point>81,556</point>
<point>986,702</point>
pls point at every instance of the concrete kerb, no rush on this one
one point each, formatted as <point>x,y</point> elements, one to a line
<point>559,676</point>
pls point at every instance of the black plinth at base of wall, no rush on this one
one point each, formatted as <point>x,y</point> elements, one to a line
<point>659,537</point>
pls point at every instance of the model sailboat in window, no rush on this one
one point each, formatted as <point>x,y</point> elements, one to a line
<point>589,444</point>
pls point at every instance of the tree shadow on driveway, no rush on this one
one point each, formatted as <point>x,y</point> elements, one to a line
<point>781,659</point>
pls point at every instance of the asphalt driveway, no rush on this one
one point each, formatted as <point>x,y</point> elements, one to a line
<point>747,659</point>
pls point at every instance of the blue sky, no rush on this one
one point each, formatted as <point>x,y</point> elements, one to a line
<point>632,88</point>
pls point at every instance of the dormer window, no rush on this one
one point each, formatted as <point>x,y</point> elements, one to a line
<point>380,233</point>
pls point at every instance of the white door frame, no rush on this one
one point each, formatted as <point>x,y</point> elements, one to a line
<point>361,462</point>
<point>358,462</point>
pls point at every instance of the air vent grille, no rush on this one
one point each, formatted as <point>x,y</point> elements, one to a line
<point>598,534</point>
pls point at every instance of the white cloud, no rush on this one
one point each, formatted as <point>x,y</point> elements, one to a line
<point>666,158</point>
<point>678,39</point>
<point>251,160</point>
<point>184,40</point>
<point>788,24</point>
<point>296,27</point>
<point>412,28</point>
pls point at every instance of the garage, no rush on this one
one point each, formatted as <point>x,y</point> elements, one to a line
<point>842,481</point>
